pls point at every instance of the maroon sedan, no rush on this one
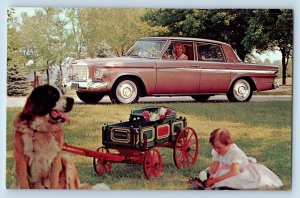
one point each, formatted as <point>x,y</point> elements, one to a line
<point>170,66</point>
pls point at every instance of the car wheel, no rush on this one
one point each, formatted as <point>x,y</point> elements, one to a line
<point>126,91</point>
<point>241,91</point>
<point>90,98</point>
<point>201,98</point>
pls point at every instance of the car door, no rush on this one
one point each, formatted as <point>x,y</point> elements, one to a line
<point>177,76</point>
<point>215,72</point>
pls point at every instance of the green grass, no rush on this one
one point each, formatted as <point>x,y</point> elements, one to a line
<point>261,129</point>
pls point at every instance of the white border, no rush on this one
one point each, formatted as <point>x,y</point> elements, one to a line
<point>4,4</point>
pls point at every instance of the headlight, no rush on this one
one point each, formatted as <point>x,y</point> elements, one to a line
<point>98,73</point>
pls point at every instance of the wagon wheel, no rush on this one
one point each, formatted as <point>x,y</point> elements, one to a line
<point>186,148</point>
<point>102,166</point>
<point>152,164</point>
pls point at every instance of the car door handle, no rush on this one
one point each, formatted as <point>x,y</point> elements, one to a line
<point>194,66</point>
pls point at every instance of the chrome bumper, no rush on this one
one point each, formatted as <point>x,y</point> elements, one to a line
<point>87,85</point>
<point>275,85</point>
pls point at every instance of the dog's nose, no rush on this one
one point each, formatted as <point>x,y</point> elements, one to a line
<point>70,102</point>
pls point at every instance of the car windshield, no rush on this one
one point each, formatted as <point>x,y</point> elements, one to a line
<point>146,49</point>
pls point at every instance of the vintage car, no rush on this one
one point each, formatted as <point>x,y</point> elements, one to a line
<point>151,67</point>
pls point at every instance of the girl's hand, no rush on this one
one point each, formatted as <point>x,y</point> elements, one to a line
<point>210,181</point>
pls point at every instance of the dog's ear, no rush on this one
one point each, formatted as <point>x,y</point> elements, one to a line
<point>27,113</point>
<point>40,102</point>
<point>32,108</point>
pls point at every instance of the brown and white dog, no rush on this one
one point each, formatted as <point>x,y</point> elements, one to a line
<point>38,141</point>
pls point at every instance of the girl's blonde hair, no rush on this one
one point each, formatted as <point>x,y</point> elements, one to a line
<point>222,135</point>
<point>180,45</point>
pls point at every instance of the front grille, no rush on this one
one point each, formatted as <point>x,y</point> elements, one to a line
<point>79,72</point>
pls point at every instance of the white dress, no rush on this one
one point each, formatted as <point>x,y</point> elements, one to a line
<point>182,57</point>
<point>251,176</point>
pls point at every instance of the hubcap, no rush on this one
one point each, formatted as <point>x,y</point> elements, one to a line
<point>126,91</point>
<point>241,90</point>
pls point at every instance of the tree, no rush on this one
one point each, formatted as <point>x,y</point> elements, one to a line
<point>289,71</point>
<point>228,25</point>
<point>75,39</point>
<point>88,29</point>
<point>272,30</point>
<point>104,50</point>
<point>59,82</point>
<point>17,81</point>
<point>42,38</point>
<point>119,28</point>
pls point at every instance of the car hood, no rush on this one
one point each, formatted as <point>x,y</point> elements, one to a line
<point>116,62</point>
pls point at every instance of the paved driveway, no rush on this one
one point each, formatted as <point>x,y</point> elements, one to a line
<point>20,101</point>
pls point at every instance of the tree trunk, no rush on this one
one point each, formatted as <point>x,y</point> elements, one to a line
<point>283,72</point>
<point>35,79</point>
<point>48,78</point>
<point>60,69</point>
<point>284,65</point>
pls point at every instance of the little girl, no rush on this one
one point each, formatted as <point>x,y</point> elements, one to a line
<point>232,169</point>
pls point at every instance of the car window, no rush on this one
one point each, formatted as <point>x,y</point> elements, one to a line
<point>209,52</point>
<point>179,51</point>
<point>146,49</point>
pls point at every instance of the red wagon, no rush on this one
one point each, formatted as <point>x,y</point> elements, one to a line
<point>136,141</point>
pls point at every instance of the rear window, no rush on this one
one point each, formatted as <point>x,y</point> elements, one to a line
<point>210,52</point>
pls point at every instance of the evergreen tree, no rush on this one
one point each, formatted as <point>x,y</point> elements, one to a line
<point>17,81</point>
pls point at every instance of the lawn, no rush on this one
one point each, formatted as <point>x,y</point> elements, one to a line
<point>261,129</point>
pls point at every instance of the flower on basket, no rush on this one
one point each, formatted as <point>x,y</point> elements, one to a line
<point>146,115</point>
<point>154,117</point>
<point>159,114</point>
<point>169,111</point>
<point>162,113</point>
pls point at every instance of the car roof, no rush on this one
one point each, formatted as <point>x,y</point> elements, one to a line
<point>184,39</point>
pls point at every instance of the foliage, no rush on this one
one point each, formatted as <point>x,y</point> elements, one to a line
<point>104,51</point>
<point>289,68</point>
<point>228,25</point>
<point>59,82</point>
<point>91,28</point>
<point>42,37</point>
<point>52,35</point>
<point>272,29</point>
<point>261,129</point>
<point>244,29</point>
<point>17,82</point>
